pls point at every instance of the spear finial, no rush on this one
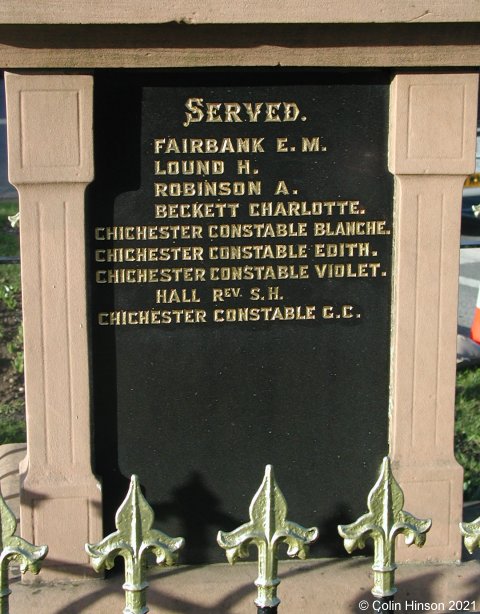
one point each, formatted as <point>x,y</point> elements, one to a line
<point>132,540</point>
<point>267,528</point>
<point>14,548</point>
<point>383,523</point>
<point>471,534</point>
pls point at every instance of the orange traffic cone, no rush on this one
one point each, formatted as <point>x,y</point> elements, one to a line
<point>475,330</point>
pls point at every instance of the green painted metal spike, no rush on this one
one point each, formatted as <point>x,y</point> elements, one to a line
<point>14,548</point>
<point>471,534</point>
<point>383,523</point>
<point>132,540</point>
<point>267,528</point>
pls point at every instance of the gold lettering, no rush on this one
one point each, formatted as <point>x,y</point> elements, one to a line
<point>152,316</point>
<point>149,254</point>
<point>259,272</point>
<point>263,230</point>
<point>252,110</point>
<point>213,112</point>
<point>189,167</point>
<point>341,250</point>
<point>232,110</point>
<point>350,228</point>
<point>173,295</point>
<point>291,111</point>
<point>236,112</point>
<point>363,269</point>
<point>196,210</point>
<point>312,144</point>
<point>267,314</point>
<point>153,233</point>
<point>281,144</point>
<point>208,188</point>
<point>257,252</point>
<point>194,114</point>
<point>272,112</point>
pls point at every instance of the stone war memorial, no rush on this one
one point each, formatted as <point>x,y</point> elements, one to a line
<point>240,232</point>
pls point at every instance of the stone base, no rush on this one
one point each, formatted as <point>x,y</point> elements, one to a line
<point>327,585</point>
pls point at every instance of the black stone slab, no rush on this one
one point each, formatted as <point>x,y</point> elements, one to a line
<point>198,409</point>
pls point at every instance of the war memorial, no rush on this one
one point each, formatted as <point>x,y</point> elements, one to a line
<point>239,244</point>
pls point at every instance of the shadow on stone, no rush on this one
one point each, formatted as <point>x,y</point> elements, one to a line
<point>196,510</point>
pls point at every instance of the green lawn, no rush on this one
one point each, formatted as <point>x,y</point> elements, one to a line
<point>9,246</point>
<point>8,240</point>
<point>12,412</point>
<point>467,430</point>
<point>12,423</point>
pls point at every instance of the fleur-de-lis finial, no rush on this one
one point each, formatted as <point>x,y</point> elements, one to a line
<point>14,548</point>
<point>383,523</point>
<point>471,534</point>
<point>267,528</point>
<point>132,540</point>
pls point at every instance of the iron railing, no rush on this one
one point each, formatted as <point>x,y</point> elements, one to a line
<point>267,527</point>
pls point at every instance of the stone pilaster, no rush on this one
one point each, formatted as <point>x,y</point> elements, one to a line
<point>432,149</point>
<point>51,162</point>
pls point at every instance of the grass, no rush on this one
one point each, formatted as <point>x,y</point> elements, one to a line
<point>12,423</point>
<point>12,418</point>
<point>467,430</point>
<point>10,281</point>
<point>12,431</point>
<point>8,241</point>
<point>9,246</point>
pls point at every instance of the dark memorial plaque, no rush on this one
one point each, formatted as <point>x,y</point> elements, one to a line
<point>240,246</point>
